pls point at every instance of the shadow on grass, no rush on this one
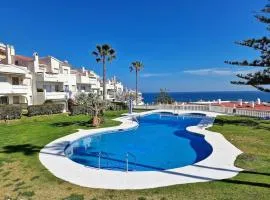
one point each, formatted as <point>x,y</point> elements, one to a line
<point>26,149</point>
<point>72,123</point>
<point>252,122</point>
<point>265,185</point>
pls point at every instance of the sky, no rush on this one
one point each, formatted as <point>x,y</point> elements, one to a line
<point>182,43</point>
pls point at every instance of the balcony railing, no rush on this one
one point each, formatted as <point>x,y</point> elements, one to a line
<point>217,109</point>
<point>55,95</point>
<point>14,89</point>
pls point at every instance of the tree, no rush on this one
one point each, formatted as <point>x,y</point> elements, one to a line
<point>163,97</point>
<point>136,66</point>
<point>261,78</point>
<point>94,103</point>
<point>103,54</point>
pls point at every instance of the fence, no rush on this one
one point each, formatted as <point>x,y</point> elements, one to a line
<point>211,108</point>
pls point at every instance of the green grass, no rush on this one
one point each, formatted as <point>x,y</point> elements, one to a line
<point>23,177</point>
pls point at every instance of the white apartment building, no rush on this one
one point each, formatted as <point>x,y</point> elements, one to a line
<point>34,80</point>
<point>114,89</point>
<point>15,81</point>
<point>87,81</point>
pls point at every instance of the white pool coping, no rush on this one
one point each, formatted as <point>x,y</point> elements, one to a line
<point>218,165</point>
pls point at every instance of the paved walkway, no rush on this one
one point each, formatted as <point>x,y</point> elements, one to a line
<point>219,165</point>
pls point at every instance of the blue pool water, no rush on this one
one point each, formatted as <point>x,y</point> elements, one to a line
<point>160,142</point>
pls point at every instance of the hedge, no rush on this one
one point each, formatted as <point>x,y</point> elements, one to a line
<point>46,109</point>
<point>80,110</point>
<point>8,112</point>
<point>117,106</point>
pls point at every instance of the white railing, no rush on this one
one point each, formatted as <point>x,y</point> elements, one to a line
<point>55,95</point>
<point>174,107</point>
<point>14,89</point>
<point>211,108</point>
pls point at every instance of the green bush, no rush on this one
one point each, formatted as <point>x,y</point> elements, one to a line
<point>10,112</point>
<point>80,110</point>
<point>117,106</point>
<point>46,109</point>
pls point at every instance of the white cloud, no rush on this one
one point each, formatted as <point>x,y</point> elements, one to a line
<point>149,75</point>
<point>218,71</point>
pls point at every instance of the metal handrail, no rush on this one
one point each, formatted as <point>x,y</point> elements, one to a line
<point>134,118</point>
<point>127,161</point>
<point>99,158</point>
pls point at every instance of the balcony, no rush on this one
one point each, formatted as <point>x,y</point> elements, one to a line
<point>14,89</point>
<point>55,95</point>
<point>63,78</point>
<point>83,80</point>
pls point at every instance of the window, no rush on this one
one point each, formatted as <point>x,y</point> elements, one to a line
<point>3,100</point>
<point>16,62</point>
<point>66,88</point>
<point>57,88</point>
<point>56,70</point>
<point>16,100</point>
<point>65,71</point>
<point>15,80</point>
<point>3,78</point>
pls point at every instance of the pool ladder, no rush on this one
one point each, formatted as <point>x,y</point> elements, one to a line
<point>134,118</point>
<point>128,154</point>
<point>127,160</point>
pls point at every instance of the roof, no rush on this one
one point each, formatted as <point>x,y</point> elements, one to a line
<point>23,58</point>
<point>246,106</point>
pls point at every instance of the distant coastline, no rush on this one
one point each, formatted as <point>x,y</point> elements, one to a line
<point>149,97</point>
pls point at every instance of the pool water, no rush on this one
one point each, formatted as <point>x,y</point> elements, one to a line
<point>160,142</point>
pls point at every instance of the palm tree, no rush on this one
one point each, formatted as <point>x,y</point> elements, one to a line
<point>136,66</point>
<point>104,53</point>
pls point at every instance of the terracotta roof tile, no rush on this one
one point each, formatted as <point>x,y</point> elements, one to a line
<point>23,58</point>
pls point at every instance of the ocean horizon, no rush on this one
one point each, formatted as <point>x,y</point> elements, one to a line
<point>149,97</point>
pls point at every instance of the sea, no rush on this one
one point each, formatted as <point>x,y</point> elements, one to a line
<point>210,96</point>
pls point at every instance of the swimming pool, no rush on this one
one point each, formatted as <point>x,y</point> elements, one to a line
<point>160,142</point>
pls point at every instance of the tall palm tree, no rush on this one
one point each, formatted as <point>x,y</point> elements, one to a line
<point>104,53</point>
<point>136,66</point>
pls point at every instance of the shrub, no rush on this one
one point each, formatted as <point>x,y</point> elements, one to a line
<point>10,112</point>
<point>48,101</point>
<point>117,106</point>
<point>46,109</point>
<point>80,110</point>
<point>70,103</point>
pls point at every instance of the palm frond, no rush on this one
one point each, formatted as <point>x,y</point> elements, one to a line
<point>106,47</point>
<point>94,53</point>
<point>99,49</point>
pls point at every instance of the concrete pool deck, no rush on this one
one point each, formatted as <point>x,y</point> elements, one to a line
<point>218,165</point>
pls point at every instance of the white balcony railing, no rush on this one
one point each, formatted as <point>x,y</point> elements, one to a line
<point>14,89</point>
<point>62,78</point>
<point>217,109</point>
<point>55,95</point>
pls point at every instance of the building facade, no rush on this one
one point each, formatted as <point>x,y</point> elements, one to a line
<point>35,80</point>
<point>15,81</point>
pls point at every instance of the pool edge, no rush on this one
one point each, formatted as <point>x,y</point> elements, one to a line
<point>218,165</point>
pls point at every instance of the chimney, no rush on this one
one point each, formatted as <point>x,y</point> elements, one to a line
<point>8,54</point>
<point>252,104</point>
<point>36,62</point>
<point>240,102</point>
<point>219,101</point>
<point>259,101</point>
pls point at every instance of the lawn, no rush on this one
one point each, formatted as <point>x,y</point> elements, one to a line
<point>23,177</point>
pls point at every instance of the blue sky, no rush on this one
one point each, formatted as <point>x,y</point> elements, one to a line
<point>183,43</point>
